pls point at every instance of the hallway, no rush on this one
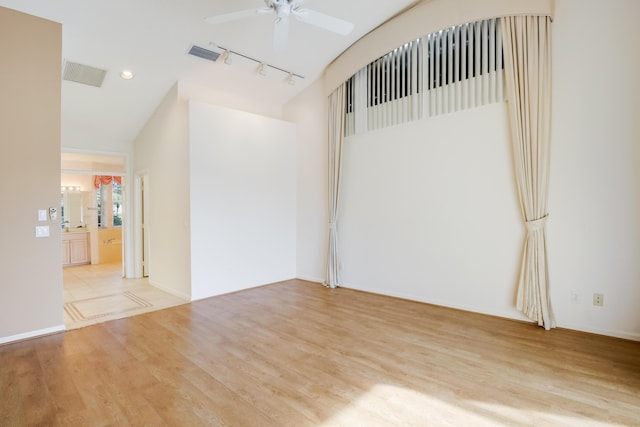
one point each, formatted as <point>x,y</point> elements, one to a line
<point>97,293</point>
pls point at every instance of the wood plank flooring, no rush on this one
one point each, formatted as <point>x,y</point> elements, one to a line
<point>297,354</point>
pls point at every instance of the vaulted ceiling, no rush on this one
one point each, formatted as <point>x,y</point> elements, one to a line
<point>152,37</point>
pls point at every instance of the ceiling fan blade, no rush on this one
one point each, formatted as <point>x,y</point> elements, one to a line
<point>280,34</point>
<point>323,21</point>
<point>234,16</point>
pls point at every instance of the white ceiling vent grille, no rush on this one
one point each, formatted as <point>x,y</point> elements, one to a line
<point>203,53</point>
<point>84,74</point>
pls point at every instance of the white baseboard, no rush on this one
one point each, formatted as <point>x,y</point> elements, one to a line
<point>513,316</point>
<point>170,291</point>
<point>310,279</point>
<point>243,287</point>
<point>32,334</point>
<point>608,332</point>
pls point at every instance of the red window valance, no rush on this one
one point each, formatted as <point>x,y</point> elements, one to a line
<point>106,180</point>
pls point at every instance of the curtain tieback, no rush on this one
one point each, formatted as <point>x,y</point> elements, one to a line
<point>536,224</point>
<point>332,226</point>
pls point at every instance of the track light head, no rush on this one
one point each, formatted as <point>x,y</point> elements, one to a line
<point>261,68</point>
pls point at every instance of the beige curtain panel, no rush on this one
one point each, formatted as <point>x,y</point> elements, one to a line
<point>527,62</point>
<point>336,136</point>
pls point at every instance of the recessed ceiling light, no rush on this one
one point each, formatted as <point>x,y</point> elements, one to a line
<point>126,74</point>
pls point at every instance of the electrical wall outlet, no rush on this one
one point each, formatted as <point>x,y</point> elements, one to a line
<point>598,299</point>
<point>42,231</point>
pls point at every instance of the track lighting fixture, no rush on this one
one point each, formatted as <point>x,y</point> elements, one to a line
<point>262,66</point>
<point>227,57</point>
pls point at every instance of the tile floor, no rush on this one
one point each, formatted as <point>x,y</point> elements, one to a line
<point>98,293</point>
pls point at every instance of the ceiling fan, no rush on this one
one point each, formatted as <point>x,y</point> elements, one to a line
<point>283,9</point>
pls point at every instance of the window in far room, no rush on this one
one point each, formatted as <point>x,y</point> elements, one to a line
<point>109,201</point>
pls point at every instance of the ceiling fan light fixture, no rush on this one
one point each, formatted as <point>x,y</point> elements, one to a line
<point>283,10</point>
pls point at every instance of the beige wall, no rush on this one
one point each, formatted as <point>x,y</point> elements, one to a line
<point>162,151</point>
<point>110,245</point>
<point>30,267</point>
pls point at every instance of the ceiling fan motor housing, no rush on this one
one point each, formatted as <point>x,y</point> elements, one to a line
<point>283,8</point>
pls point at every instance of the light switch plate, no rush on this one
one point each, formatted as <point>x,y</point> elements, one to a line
<point>42,214</point>
<point>42,231</point>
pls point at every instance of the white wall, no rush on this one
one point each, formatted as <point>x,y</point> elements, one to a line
<point>309,111</point>
<point>162,151</point>
<point>85,182</point>
<point>74,137</point>
<point>429,212</point>
<point>243,200</point>
<point>594,225</point>
<point>229,98</point>
<point>448,206</point>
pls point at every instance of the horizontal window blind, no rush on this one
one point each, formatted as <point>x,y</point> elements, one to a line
<point>456,68</point>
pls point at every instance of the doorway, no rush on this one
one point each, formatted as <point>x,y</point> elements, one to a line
<point>93,225</point>
<point>106,288</point>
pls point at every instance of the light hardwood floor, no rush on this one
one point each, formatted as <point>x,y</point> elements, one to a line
<point>297,354</point>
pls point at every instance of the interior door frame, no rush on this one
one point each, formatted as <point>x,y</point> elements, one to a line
<point>141,224</point>
<point>127,243</point>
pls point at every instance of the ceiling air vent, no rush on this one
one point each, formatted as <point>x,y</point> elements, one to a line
<point>203,53</point>
<point>84,74</point>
